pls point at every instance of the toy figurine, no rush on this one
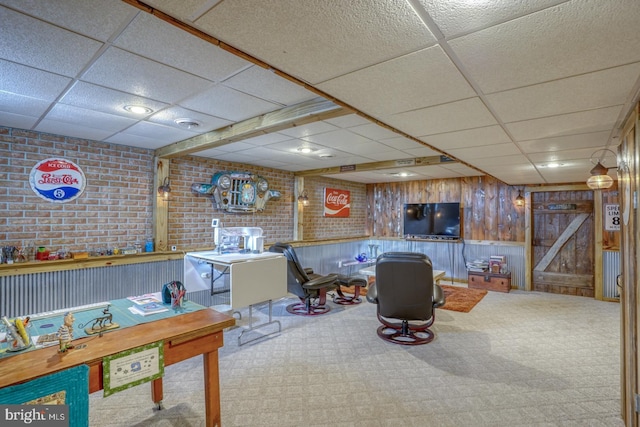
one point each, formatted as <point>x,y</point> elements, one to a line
<point>65,333</point>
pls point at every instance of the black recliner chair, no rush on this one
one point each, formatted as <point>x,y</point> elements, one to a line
<point>311,288</point>
<point>406,297</point>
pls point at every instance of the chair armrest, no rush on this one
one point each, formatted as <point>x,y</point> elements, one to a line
<point>438,296</point>
<point>321,282</point>
<point>308,270</point>
<point>372,294</point>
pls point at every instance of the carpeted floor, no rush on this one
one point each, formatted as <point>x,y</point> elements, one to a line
<point>517,359</point>
<point>462,299</point>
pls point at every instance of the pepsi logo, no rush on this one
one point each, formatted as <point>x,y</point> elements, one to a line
<point>57,180</point>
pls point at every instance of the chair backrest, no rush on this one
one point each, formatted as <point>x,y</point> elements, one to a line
<point>296,275</point>
<point>404,285</point>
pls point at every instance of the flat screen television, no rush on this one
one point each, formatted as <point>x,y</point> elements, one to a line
<point>432,221</point>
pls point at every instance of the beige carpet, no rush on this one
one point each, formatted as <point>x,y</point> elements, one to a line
<point>517,359</point>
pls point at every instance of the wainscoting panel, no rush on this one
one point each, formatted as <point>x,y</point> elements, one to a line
<point>35,293</point>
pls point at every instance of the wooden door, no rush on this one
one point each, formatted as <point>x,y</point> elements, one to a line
<point>563,242</point>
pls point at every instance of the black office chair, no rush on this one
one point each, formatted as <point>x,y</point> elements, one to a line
<point>311,288</point>
<point>404,291</point>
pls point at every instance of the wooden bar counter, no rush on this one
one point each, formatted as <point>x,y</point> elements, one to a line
<point>184,336</point>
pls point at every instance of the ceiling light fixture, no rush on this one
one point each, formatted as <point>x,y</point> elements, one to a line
<point>138,109</point>
<point>599,178</point>
<point>187,123</point>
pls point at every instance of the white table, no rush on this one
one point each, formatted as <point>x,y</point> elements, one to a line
<point>371,272</point>
<point>253,279</point>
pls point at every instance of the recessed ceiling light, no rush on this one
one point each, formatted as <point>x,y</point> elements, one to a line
<point>138,109</point>
<point>401,174</point>
<point>187,123</point>
<point>326,156</point>
<point>552,165</point>
<point>306,150</point>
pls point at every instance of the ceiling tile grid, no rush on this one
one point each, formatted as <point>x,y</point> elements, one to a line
<point>502,87</point>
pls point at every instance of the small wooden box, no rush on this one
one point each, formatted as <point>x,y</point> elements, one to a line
<point>490,281</point>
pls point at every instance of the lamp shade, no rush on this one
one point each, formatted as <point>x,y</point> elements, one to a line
<point>599,179</point>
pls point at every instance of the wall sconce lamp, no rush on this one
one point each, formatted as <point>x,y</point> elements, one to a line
<point>303,198</point>
<point>519,201</point>
<point>599,179</point>
<point>165,189</point>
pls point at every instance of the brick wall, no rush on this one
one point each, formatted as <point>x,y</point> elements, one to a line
<point>116,208</point>
<point>317,226</point>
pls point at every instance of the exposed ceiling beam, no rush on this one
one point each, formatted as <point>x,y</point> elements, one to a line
<point>288,117</point>
<point>385,164</point>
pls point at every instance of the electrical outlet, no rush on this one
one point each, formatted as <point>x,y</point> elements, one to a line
<point>174,248</point>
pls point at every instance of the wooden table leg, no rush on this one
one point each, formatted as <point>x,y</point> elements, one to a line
<point>211,388</point>
<point>157,392</point>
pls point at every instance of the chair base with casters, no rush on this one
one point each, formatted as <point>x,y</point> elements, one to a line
<point>358,283</point>
<point>310,306</point>
<point>405,333</point>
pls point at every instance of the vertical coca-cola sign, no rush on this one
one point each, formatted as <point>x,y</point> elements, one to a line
<point>337,203</point>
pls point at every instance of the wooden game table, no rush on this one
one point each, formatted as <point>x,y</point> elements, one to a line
<point>184,336</point>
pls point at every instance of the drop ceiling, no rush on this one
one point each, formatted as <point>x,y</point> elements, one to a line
<point>421,88</point>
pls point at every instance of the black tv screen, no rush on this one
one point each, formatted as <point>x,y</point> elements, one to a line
<point>432,220</point>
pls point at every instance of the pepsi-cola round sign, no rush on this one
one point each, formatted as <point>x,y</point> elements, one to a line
<point>57,180</point>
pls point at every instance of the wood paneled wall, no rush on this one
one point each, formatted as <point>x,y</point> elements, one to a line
<point>488,210</point>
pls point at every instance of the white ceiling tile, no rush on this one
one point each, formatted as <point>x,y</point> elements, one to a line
<point>234,147</point>
<point>31,82</point>
<point>87,95</point>
<point>229,104</point>
<point>147,142</point>
<point>83,117</point>
<point>311,43</point>
<point>266,139</point>
<point>570,142</point>
<point>267,85</point>
<point>606,88</point>
<point>158,132</point>
<point>348,121</point>
<point>373,131</point>
<point>400,143</point>
<point>459,115</point>
<point>566,124</point>
<point>31,42</point>
<point>426,78</point>
<point>207,123</point>
<point>239,157</point>
<point>471,154</point>
<point>134,74</point>
<point>569,39</point>
<point>98,19</point>
<point>22,105</point>
<point>461,16</point>
<point>308,129</point>
<point>569,158</point>
<point>468,138</point>
<point>72,130</point>
<point>184,9</point>
<point>155,39</point>
<point>17,121</point>
<point>499,160</point>
<point>340,139</point>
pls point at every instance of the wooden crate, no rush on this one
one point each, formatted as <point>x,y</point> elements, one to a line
<point>490,281</point>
